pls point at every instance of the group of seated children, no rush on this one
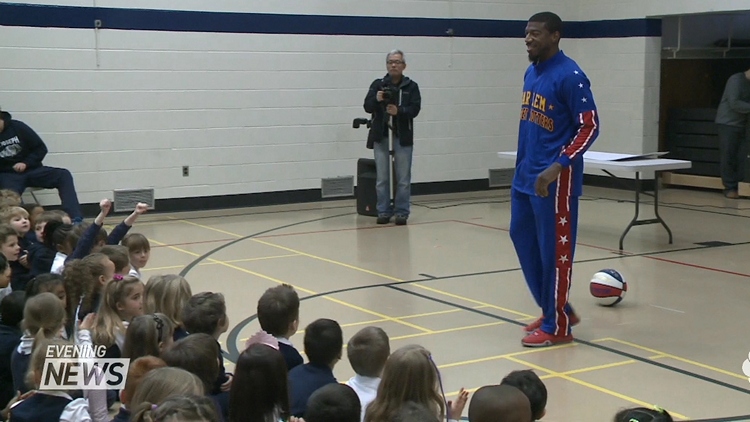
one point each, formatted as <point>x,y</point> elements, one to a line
<point>69,284</point>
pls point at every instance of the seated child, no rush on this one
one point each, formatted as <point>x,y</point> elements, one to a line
<point>531,385</point>
<point>410,374</point>
<point>148,335</point>
<point>43,318</point>
<point>278,315</point>
<point>5,275</point>
<point>11,314</point>
<point>140,251</point>
<point>333,403</point>
<point>367,352</point>
<point>323,346</point>
<point>119,256</point>
<point>643,414</point>
<point>18,219</point>
<point>121,301</point>
<point>160,384</point>
<point>48,405</point>
<point>168,294</point>
<point>35,211</point>
<point>197,354</point>
<point>11,250</point>
<point>48,283</point>
<point>180,408</point>
<point>9,198</point>
<point>207,313</point>
<point>499,403</point>
<point>414,412</point>
<point>260,388</point>
<point>137,370</point>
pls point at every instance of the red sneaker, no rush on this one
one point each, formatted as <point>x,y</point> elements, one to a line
<point>574,320</point>
<point>539,338</point>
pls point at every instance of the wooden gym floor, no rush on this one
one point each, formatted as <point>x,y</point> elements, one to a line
<point>450,281</point>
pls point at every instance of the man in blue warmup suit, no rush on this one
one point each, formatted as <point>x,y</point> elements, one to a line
<point>559,122</point>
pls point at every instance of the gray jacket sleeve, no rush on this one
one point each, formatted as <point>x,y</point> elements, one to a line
<point>737,104</point>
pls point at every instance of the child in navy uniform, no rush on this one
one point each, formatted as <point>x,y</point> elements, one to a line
<point>18,219</point>
<point>43,318</point>
<point>11,309</point>
<point>207,313</point>
<point>323,346</point>
<point>48,405</point>
<point>531,385</point>
<point>643,414</point>
<point>278,315</point>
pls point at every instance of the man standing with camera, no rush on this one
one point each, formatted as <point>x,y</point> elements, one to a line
<point>393,101</point>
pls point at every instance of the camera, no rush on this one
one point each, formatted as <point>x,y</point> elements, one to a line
<point>390,94</point>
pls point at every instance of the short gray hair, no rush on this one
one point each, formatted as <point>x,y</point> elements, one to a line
<point>392,52</point>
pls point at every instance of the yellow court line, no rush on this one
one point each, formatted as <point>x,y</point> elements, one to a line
<point>301,289</point>
<point>671,356</point>
<point>260,258</point>
<point>504,356</point>
<point>210,228</point>
<point>375,321</point>
<point>591,386</point>
<point>455,296</point>
<point>447,330</point>
<point>425,314</point>
<point>364,270</point>
<point>387,277</point>
<point>575,371</point>
<point>330,261</point>
<point>599,367</point>
<point>654,357</point>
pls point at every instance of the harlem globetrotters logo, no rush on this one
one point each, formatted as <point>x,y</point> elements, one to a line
<point>82,367</point>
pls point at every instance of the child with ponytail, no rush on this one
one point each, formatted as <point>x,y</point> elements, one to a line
<point>122,300</point>
<point>43,318</point>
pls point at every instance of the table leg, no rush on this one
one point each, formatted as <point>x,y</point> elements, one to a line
<point>656,206</point>
<point>637,208</point>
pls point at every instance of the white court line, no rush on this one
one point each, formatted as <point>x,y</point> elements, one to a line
<point>668,309</point>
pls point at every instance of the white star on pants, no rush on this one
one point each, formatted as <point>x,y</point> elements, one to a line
<point>563,239</point>
<point>564,258</point>
<point>563,221</point>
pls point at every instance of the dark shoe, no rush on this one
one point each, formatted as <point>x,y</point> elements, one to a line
<point>384,219</point>
<point>401,220</point>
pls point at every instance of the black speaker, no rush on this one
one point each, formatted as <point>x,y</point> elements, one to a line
<point>367,197</point>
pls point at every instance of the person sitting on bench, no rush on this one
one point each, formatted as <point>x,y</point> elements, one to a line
<point>21,155</point>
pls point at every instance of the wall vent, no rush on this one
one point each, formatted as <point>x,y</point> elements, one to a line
<point>501,178</point>
<point>334,187</point>
<point>127,199</point>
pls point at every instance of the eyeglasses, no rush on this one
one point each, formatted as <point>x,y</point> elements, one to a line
<point>159,326</point>
<point>395,62</point>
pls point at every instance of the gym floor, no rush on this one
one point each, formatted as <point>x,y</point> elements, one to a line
<point>450,281</point>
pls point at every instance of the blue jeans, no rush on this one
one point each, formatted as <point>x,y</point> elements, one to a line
<point>402,167</point>
<point>49,178</point>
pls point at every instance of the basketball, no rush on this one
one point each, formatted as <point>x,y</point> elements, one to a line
<point>608,287</point>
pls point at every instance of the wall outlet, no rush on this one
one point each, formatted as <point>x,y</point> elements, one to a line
<point>185,171</point>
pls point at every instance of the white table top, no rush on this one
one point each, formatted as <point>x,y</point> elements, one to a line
<point>634,165</point>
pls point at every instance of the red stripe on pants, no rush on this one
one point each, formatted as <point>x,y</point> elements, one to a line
<point>563,251</point>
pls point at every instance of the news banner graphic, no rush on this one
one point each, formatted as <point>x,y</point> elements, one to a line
<point>82,367</point>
